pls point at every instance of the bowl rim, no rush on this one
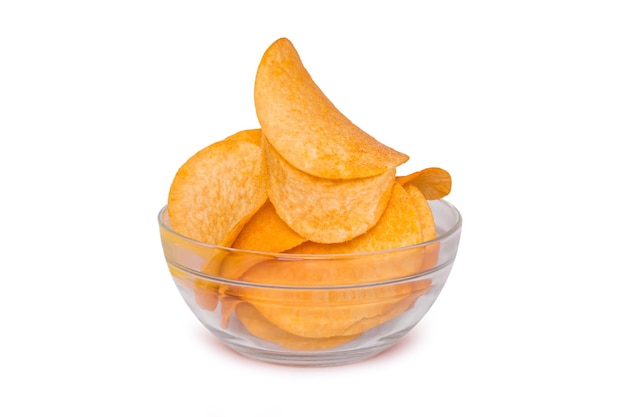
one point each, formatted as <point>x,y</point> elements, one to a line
<point>295,257</point>
<point>451,231</point>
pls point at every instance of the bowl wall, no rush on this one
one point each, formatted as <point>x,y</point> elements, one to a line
<point>312,310</point>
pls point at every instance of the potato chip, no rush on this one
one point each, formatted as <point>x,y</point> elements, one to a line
<point>251,135</point>
<point>419,288</point>
<point>304,126</point>
<point>322,312</point>
<point>434,183</point>
<point>267,232</point>
<point>264,232</point>
<point>258,326</point>
<point>429,231</point>
<point>217,190</point>
<point>398,226</point>
<point>424,213</point>
<point>324,210</point>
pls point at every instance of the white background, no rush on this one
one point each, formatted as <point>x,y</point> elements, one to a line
<point>523,102</point>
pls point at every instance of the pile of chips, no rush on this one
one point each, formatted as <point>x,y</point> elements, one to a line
<point>307,181</point>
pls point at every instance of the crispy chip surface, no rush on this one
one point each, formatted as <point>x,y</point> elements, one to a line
<point>264,232</point>
<point>322,312</point>
<point>323,210</point>
<point>251,135</point>
<point>429,231</point>
<point>434,183</point>
<point>306,128</point>
<point>399,226</point>
<point>424,213</point>
<point>217,190</point>
<point>260,327</point>
<point>370,321</point>
<point>267,232</point>
<point>319,311</point>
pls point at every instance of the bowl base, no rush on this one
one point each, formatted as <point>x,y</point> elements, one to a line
<point>333,357</point>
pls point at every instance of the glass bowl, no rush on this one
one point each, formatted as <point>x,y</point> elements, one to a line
<point>312,310</point>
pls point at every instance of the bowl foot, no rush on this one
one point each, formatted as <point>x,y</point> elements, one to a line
<point>322,358</point>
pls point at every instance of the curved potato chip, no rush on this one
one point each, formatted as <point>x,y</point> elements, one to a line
<point>419,288</point>
<point>424,213</point>
<point>323,210</point>
<point>398,226</point>
<point>320,312</point>
<point>217,190</point>
<point>431,252</point>
<point>258,326</point>
<point>434,183</point>
<point>323,311</point>
<point>251,135</point>
<point>306,128</point>
<point>267,232</point>
<point>264,232</point>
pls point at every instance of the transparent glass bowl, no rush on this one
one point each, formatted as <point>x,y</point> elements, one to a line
<point>312,310</point>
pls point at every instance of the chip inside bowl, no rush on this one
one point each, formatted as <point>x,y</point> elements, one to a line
<point>323,312</point>
<point>260,327</point>
<point>267,232</point>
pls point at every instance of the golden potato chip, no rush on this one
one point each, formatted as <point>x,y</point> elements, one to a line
<point>419,288</point>
<point>258,326</point>
<point>429,231</point>
<point>217,190</point>
<point>251,135</point>
<point>424,213</point>
<point>322,312</point>
<point>267,232</point>
<point>398,226</point>
<point>183,250</point>
<point>304,126</point>
<point>324,210</point>
<point>264,232</point>
<point>434,183</point>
